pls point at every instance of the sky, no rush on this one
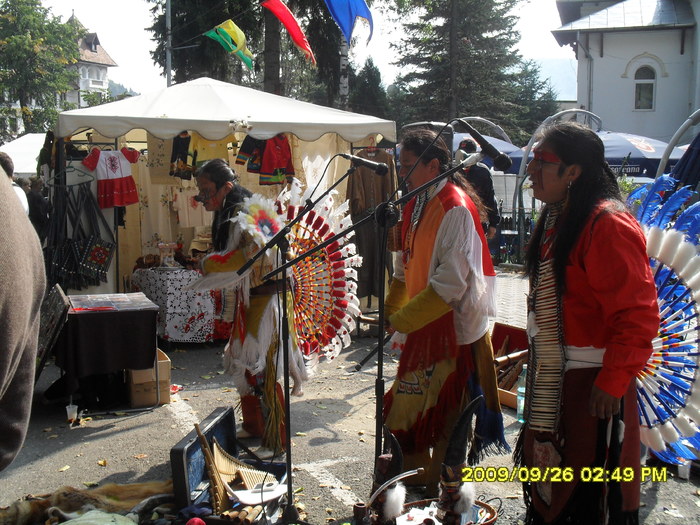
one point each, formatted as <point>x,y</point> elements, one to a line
<point>120,26</point>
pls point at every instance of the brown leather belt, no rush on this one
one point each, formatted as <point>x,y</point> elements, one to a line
<point>268,288</point>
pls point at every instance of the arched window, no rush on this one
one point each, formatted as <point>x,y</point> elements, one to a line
<point>644,84</point>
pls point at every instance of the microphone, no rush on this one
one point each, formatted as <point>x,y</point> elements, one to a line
<point>501,161</point>
<point>378,167</point>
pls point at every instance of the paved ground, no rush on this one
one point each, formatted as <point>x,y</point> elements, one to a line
<point>333,433</point>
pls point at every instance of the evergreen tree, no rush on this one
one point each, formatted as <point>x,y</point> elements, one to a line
<point>460,60</point>
<point>36,50</point>
<point>367,95</point>
<point>534,100</point>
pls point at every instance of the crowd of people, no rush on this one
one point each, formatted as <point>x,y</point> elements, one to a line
<point>592,314</point>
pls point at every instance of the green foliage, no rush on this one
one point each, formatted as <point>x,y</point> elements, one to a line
<point>96,98</point>
<point>298,77</point>
<point>36,50</point>
<point>533,100</point>
<point>626,185</point>
<point>459,59</point>
<point>367,95</point>
<point>198,55</point>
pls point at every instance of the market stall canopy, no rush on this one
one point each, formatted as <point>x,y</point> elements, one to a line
<point>635,155</point>
<point>215,109</point>
<point>24,151</point>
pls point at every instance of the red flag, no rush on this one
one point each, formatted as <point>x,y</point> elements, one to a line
<point>285,16</point>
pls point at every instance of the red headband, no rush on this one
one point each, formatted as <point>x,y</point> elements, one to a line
<point>546,156</point>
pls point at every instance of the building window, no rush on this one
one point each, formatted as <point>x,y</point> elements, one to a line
<point>644,84</point>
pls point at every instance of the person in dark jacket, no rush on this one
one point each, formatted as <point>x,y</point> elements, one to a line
<point>479,176</point>
<point>38,207</point>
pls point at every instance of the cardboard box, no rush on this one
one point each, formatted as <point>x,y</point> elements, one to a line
<point>510,339</point>
<point>507,398</point>
<point>142,384</point>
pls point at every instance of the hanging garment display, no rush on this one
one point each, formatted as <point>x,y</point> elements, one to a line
<point>83,258</point>
<point>365,191</point>
<point>158,161</point>
<point>202,150</point>
<point>277,167</point>
<point>251,153</point>
<point>179,165</point>
<point>115,185</point>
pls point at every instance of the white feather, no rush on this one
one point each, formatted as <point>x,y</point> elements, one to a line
<point>690,269</point>
<point>673,239</point>
<point>355,260</point>
<point>694,282</point>
<point>669,433</point>
<point>353,310</point>
<point>344,337</point>
<point>644,436</point>
<point>395,499</point>
<point>345,223</point>
<point>467,496</point>
<point>686,251</point>
<point>685,426</point>
<point>342,210</point>
<point>654,237</point>
<point>691,409</point>
<point>348,250</point>
<point>655,440</point>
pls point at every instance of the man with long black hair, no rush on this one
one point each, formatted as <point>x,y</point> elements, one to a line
<point>252,353</point>
<point>592,315</point>
<point>441,296</point>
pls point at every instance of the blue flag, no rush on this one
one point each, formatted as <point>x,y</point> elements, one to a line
<point>344,12</point>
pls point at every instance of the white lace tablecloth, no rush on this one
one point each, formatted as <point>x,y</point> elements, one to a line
<point>183,316</point>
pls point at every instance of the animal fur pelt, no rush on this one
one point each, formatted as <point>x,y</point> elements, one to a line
<point>112,498</point>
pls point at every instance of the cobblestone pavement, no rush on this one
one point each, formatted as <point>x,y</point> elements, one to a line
<point>511,290</point>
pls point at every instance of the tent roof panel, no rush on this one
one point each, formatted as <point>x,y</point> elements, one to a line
<point>215,109</point>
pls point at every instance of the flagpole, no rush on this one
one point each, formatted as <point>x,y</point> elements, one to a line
<point>168,45</point>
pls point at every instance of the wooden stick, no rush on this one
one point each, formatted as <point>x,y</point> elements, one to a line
<point>507,359</point>
<point>512,377</point>
<point>369,320</point>
<point>230,514</point>
<point>253,515</point>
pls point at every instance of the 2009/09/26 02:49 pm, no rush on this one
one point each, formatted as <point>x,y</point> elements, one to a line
<point>558,474</point>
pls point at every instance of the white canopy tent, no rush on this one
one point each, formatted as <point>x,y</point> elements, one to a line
<point>215,109</point>
<point>24,151</point>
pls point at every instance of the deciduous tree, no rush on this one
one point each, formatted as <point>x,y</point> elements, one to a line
<point>36,50</point>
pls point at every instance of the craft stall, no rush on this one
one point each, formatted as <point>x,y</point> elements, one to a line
<point>127,190</point>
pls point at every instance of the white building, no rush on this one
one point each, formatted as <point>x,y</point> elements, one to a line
<point>637,62</point>
<point>93,66</point>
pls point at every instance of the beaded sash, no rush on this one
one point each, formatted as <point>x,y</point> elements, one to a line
<point>546,356</point>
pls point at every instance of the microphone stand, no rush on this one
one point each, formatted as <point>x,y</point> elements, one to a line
<point>386,215</point>
<point>289,513</point>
